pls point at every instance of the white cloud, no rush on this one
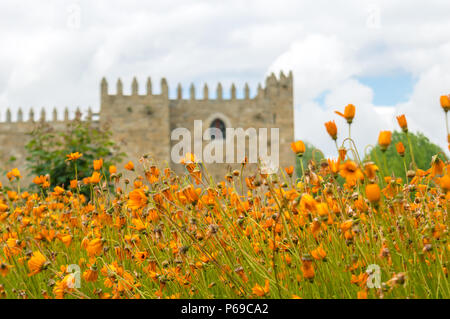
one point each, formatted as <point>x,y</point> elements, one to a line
<point>45,62</point>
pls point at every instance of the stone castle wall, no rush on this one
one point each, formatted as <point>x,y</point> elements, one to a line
<point>15,135</point>
<point>142,123</point>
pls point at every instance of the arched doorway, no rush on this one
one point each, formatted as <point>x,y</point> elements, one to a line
<point>218,128</point>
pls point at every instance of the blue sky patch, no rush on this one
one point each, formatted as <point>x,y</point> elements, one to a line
<point>390,89</point>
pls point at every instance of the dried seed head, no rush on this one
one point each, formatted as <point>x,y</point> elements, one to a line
<point>411,174</point>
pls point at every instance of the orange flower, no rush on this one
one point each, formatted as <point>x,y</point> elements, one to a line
<point>73,156</point>
<point>37,263</point>
<point>346,225</point>
<point>400,149</point>
<point>444,182</point>
<point>403,123</point>
<point>261,291</point>
<point>98,164</point>
<point>191,194</point>
<point>58,191</point>
<point>349,113</point>
<point>188,159</point>
<point>4,269</point>
<point>12,195</point>
<point>14,173</point>
<point>331,129</point>
<point>91,274</point>
<point>289,170</point>
<point>137,199</point>
<point>351,172</point>
<point>362,294</point>
<point>112,170</point>
<point>94,247</point>
<point>129,166</point>
<point>39,180</point>
<point>342,154</point>
<point>3,207</point>
<point>138,224</point>
<point>95,178</point>
<point>66,239</point>
<point>152,175</point>
<point>445,102</point>
<point>308,203</point>
<point>298,147</point>
<point>73,183</point>
<point>437,166</point>
<point>370,169</point>
<point>373,193</point>
<point>307,267</point>
<point>384,140</point>
<point>319,253</point>
<point>333,165</point>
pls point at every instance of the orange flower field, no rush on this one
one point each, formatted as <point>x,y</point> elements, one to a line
<point>341,229</point>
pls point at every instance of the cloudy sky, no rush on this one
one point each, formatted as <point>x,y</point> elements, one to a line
<point>386,57</point>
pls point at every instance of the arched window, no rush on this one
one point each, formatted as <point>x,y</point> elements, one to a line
<point>219,126</point>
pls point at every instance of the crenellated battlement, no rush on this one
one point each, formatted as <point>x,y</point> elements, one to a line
<point>273,87</point>
<point>143,123</point>
<point>57,115</point>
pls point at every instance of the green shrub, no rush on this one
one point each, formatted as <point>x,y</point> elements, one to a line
<point>423,150</point>
<point>48,148</point>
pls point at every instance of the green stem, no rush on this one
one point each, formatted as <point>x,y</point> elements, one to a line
<point>303,169</point>
<point>411,151</point>
<point>406,170</point>
<point>385,163</point>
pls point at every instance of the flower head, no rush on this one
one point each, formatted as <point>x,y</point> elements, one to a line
<point>384,140</point>
<point>370,169</point>
<point>319,253</point>
<point>445,102</point>
<point>14,173</point>
<point>94,247</point>
<point>261,291</point>
<point>402,123</point>
<point>351,172</point>
<point>137,199</point>
<point>400,149</point>
<point>112,170</point>
<point>349,113</point>
<point>129,166</point>
<point>98,164</point>
<point>95,178</point>
<point>37,263</point>
<point>331,129</point>
<point>73,156</point>
<point>373,193</point>
<point>298,147</point>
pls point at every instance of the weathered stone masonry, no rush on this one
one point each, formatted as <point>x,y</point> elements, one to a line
<point>142,124</point>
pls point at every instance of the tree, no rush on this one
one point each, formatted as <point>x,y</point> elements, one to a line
<point>423,151</point>
<point>48,148</point>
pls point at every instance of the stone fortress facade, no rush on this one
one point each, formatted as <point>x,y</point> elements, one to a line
<point>142,123</point>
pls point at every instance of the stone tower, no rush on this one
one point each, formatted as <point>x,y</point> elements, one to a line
<point>143,123</point>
